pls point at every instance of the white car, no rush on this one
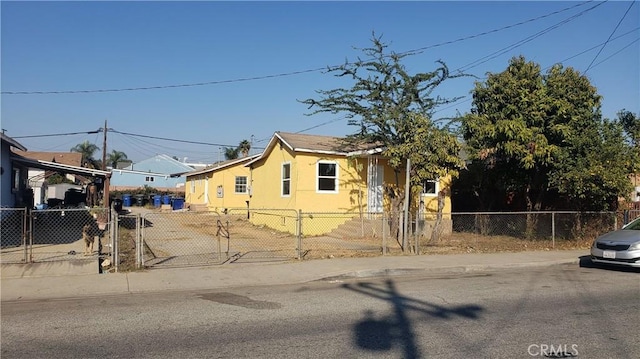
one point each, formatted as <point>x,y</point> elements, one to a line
<point>621,247</point>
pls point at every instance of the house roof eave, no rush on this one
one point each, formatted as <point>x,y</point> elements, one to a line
<point>46,165</point>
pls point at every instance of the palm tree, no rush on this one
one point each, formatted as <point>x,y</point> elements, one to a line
<point>87,150</point>
<point>244,147</point>
<point>231,153</point>
<point>116,156</point>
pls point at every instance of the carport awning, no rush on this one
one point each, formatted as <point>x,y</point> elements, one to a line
<point>59,167</point>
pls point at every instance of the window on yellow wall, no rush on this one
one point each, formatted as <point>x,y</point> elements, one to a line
<point>193,186</point>
<point>241,184</point>
<point>430,188</point>
<point>327,179</point>
<point>286,179</point>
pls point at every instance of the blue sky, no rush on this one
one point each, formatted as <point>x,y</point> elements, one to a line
<point>77,46</point>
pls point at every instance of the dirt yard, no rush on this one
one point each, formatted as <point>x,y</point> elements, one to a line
<point>245,237</point>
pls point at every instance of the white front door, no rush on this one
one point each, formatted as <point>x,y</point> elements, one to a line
<point>374,187</point>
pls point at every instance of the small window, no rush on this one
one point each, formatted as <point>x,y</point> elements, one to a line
<point>193,185</point>
<point>241,184</point>
<point>327,177</point>
<point>148,179</point>
<point>286,179</point>
<point>430,188</point>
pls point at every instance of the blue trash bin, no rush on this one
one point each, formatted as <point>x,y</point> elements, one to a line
<point>178,203</point>
<point>156,200</point>
<point>126,200</point>
<point>166,199</point>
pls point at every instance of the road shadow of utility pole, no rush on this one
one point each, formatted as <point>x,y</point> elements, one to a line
<point>381,334</point>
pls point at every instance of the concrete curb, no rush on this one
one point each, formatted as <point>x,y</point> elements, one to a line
<point>389,272</point>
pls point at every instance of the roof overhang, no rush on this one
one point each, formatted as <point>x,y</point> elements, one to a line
<point>224,165</point>
<point>12,142</point>
<point>52,166</point>
<point>369,152</point>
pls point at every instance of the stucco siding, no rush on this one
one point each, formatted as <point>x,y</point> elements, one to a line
<point>194,188</point>
<point>222,188</point>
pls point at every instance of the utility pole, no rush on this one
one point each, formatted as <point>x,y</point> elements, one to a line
<point>104,147</point>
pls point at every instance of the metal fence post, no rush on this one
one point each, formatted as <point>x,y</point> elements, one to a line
<point>384,235</point>
<point>24,235</point>
<point>114,244</point>
<point>299,235</point>
<point>553,230</point>
<point>30,229</point>
<point>140,234</point>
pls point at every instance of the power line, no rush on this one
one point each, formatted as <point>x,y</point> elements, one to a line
<point>61,134</point>
<point>595,47</point>
<point>527,39</point>
<point>171,139</point>
<point>612,32</point>
<point>495,30</point>
<point>286,73</point>
<point>617,52</point>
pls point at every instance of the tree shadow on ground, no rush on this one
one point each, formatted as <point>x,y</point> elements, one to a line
<point>382,334</point>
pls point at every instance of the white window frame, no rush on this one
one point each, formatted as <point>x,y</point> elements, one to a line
<point>335,163</point>
<point>282,180</point>
<point>193,185</point>
<point>246,185</point>
<point>436,188</point>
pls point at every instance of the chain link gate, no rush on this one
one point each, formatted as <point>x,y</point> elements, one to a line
<point>180,239</point>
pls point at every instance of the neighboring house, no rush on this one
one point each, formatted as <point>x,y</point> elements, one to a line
<point>221,186</point>
<point>161,172</point>
<point>318,174</point>
<point>37,177</point>
<point>15,186</point>
<point>13,176</point>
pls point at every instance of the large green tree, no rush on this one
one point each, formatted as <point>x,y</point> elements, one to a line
<point>630,122</point>
<point>87,149</point>
<point>393,109</point>
<point>539,137</point>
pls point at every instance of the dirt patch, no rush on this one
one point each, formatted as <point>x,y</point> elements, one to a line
<point>262,241</point>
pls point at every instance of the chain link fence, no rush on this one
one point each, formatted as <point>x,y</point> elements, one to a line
<point>328,235</point>
<point>13,235</point>
<point>507,231</point>
<point>68,234</point>
<point>64,234</point>
<point>262,234</point>
<point>180,238</point>
<point>156,238</point>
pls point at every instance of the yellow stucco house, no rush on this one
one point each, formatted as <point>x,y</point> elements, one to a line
<point>318,175</point>
<point>221,186</point>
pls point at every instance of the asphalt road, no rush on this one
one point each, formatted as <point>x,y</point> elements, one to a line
<point>560,310</point>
